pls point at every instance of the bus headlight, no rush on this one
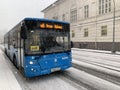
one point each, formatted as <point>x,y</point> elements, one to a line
<point>31,62</point>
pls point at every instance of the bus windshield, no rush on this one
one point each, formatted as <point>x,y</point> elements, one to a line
<point>42,41</point>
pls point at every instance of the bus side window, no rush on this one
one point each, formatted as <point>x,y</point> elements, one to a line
<point>14,39</point>
<point>10,37</point>
<point>8,41</point>
<point>23,32</point>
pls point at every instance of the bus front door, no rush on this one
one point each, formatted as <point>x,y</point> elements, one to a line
<point>20,51</point>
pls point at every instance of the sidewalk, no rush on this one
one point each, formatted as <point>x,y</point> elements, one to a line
<point>7,78</point>
<point>97,51</point>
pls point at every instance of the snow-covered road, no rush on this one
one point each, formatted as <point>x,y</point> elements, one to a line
<point>100,59</point>
<point>101,65</point>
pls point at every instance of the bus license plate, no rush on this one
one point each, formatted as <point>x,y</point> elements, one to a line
<point>55,69</point>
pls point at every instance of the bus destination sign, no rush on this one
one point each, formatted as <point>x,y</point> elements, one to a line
<point>50,26</point>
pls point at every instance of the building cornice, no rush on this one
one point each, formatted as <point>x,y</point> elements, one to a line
<point>52,5</point>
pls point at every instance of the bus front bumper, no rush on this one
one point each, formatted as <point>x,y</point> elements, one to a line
<point>31,71</point>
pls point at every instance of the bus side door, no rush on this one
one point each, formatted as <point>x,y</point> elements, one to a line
<point>20,51</point>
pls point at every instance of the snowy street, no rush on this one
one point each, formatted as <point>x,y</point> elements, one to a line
<point>91,71</point>
<point>100,64</point>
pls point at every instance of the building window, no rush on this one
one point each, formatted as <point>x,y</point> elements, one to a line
<point>73,15</point>
<point>109,6</point>
<point>55,17</point>
<point>104,6</point>
<point>73,34</point>
<point>63,17</point>
<point>86,11</point>
<point>104,31</point>
<point>86,32</point>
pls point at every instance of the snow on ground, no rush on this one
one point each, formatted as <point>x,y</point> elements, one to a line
<point>97,68</point>
<point>49,82</point>
<point>91,53</point>
<point>98,51</point>
<point>7,78</point>
<point>107,61</point>
<point>100,62</point>
<point>91,80</point>
<point>110,60</point>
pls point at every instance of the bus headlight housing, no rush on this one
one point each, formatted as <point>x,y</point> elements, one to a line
<point>31,62</point>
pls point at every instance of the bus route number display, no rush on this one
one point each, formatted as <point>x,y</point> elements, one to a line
<point>50,26</point>
<point>34,48</point>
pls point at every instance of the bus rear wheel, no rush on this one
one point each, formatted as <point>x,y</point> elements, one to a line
<point>15,62</point>
<point>5,51</point>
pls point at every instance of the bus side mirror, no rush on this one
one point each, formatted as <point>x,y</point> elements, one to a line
<point>23,33</point>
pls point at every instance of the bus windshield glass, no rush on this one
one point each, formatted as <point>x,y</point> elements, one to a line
<point>43,41</point>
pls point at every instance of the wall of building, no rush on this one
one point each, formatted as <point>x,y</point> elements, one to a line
<point>94,23</point>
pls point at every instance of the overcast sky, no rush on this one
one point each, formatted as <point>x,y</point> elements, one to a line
<point>13,11</point>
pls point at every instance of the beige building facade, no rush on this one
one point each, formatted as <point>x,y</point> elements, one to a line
<point>92,22</point>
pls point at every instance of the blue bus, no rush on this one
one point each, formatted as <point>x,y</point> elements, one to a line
<point>39,46</point>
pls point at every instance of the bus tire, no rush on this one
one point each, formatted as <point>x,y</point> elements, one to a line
<point>5,51</point>
<point>15,62</point>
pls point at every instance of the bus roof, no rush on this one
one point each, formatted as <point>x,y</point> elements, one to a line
<point>43,19</point>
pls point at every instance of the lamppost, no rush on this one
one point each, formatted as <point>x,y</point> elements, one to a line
<point>113,42</point>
